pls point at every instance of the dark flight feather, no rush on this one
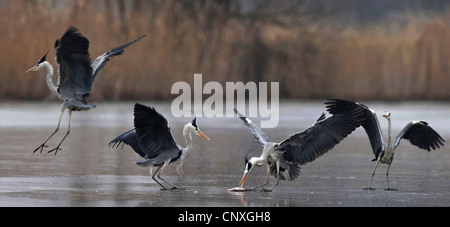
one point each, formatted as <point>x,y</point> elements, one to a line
<point>151,138</point>
<point>317,140</point>
<point>420,134</point>
<point>101,60</point>
<point>130,138</point>
<point>370,122</point>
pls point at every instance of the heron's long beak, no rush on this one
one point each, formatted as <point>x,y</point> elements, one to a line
<point>32,69</point>
<point>203,135</point>
<point>243,179</point>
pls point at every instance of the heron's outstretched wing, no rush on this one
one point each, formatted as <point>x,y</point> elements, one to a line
<point>153,133</point>
<point>315,141</point>
<point>101,61</point>
<point>260,136</point>
<point>420,134</point>
<point>129,138</point>
<point>321,118</point>
<point>370,122</point>
<point>75,72</point>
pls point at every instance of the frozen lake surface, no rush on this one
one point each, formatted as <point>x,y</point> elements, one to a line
<point>89,173</point>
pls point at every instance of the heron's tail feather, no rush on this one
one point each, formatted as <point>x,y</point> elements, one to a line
<point>290,171</point>
<point>76,105</point>
<point>146,163</point>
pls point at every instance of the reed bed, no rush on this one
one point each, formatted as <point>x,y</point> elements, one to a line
<point>310,60</point>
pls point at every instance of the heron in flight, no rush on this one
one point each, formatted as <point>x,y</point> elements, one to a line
<point>285,158</point>
<point>76,74</point>
<point>152,140</point>
<point>419,133</point>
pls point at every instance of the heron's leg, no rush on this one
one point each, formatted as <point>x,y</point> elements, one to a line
<point>150,170</point>
<point>56,130</point>
<point>278,178</point>
<point>68,132</point>
<point>180,168</point>
<point>267,181</point>
<point>153,177</point>
<point>159,177</point>
<point>387,177</point>
<point>373,174</point>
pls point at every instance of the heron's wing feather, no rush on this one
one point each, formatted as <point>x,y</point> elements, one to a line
<point>370,122</point>
<point>260,136</point>
<point>315,141</point>
<point>101,61</point>
<point>153,132</point>
<point>129,138</point>
<point>75,72</point>
<point>420,134</point>
<point>321,118</point>
<point>372,127</point>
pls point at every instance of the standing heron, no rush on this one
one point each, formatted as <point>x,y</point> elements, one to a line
<point>419,133</point>
<point>76,74</point>
<point>284,159</point>
<point>152,140</point>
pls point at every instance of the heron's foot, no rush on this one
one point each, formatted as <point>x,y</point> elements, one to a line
<point>178,189</point>
<point>55,150</point>
<point>391,189</point>
<point>41,148</point>
<point>173,189</point>
<point>266,190</point>
<point>369,188</point>
<point>251,189</point>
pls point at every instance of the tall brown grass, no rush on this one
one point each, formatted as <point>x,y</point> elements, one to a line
<point>309,60</point>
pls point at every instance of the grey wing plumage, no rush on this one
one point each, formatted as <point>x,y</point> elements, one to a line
<point>101,61</point>
<point>260,136</point>
<point>420,134</point>
<point>75,72</point>
<point>370,122</point>
<point>129,138</point>
<point>153,133</point>
<point>315,141</point>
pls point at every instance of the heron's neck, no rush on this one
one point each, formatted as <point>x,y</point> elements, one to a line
<point>49,78</point>
<point>188,137</point>
<point>389,148</point>
<point>265,154</point>
<point>186,151</point>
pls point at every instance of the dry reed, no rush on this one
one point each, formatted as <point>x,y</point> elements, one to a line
<point>309,61</point>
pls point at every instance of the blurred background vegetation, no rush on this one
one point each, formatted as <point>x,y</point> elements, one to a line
<point>358,49</point>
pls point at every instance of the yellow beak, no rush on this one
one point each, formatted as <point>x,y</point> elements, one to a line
<point>203,135</point>
<point>243,179</point>
<point>32,69</point>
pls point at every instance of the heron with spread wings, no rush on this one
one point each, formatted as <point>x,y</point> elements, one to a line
<point>152,140</point>
<point>419,133</point>
<point>76,74</point>
<point>285,158</point>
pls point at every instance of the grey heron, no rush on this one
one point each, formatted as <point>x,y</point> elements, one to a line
<point>285,158</point>
<point>152,140</point>
<point>418,133</point>
<point>76,75</point>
